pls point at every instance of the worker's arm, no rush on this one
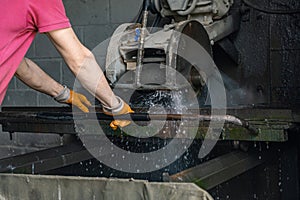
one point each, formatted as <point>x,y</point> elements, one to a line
<point>83,64</point>
<point>33,76</point>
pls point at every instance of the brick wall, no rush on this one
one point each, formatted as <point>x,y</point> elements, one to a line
<point>93,21</point>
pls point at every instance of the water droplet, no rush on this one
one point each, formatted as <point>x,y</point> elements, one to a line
<point>32,168</point>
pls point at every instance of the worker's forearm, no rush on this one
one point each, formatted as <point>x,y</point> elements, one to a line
<point>33,76</point>
<point>92,78</point>
<point>84,66</point>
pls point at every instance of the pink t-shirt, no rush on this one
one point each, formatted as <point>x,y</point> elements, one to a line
<point>20,20</point>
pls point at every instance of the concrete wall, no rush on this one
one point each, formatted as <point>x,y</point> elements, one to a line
<point>93,21</point>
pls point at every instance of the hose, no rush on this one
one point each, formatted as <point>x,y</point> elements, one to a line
<point>189,10</point>
<point>141,50</point>
<point>157,5</point>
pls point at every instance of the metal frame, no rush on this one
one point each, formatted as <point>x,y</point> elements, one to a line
<point>244,124</point>
<point>45,160</point>
<point>221,169</point>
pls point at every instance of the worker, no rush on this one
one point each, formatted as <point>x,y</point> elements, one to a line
<point>20,21</point>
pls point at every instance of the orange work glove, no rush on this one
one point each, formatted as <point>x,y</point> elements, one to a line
<point>121,109</point>
<point>70,97</point>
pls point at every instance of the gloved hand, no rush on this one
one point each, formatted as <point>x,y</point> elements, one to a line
<point>122,108</point>
<point>70,97</point>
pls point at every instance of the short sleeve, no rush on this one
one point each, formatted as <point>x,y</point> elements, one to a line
<point>48,15</point>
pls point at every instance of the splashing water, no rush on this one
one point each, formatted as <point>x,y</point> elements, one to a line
<point>153,101</point>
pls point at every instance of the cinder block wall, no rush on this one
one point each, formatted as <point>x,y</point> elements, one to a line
<point>93,21</point>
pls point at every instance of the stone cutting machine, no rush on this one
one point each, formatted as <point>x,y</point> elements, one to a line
<point>179,44</point>
<point>142,55</point>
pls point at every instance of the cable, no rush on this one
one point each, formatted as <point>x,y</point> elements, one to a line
<point>147,5</point>
<point>138,18</point>
<point>155,23</point>
<point>157,5</point>
<point>270,11</point>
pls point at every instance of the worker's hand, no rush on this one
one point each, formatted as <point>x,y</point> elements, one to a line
<point>70,97</point>
<point>121,109</point>
<point>79,100</point>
